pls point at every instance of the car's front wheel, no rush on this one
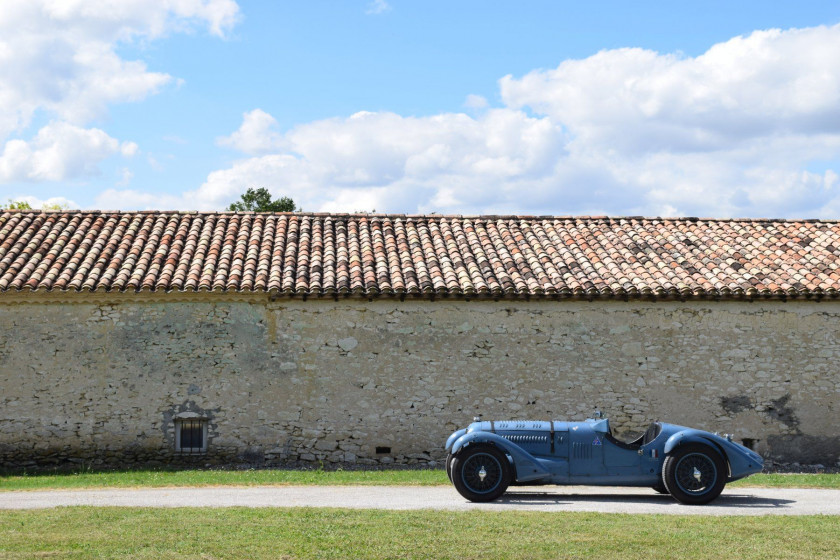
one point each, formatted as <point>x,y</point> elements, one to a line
<point>694,474</point>
<point>449,466</point>
<point>480,472</point>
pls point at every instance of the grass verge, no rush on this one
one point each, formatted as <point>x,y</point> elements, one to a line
<point>83,532</point>
<point>792,480</point>
<point>161,478</point>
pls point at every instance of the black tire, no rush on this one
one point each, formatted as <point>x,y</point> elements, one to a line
<point>449,466</point>
<point>480,472</point>
<point>661,488</point>
<point>694,474</point>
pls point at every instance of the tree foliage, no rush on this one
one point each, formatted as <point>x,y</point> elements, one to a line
<point>23,205</point>
<point>259,200</point>
<point>55,206</point>
<point>16,205</point>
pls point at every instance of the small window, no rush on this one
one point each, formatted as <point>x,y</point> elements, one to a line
<point>191,435</point>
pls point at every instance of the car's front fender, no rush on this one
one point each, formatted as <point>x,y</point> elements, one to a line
<point>526,467</point>
<point>455,435</point>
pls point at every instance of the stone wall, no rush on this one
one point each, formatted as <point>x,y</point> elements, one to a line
<point>99,380</point>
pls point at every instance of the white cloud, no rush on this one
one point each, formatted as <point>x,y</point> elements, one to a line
<point>256,135</point>
<point>749,128</point>
<point>128,149</point>
<point>59,58</point>
<point>377,7</point>
<point>126,176</point>
<point>128,199</point>
<point>390,161</point>
<point>767,83</point>
<point>474,101</point>
<point>59,55</point>
<point>730,132</point>
<point>59,151</point>
<point>50,203</point>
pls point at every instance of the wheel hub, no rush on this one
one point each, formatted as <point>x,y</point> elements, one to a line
<point>481,473</point>
<point>696,474</point>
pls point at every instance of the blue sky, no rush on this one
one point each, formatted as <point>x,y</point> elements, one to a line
<point>454,107</point>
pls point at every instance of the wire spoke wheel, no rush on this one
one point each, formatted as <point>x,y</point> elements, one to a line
<point>481,472</point>
<point>694,473</point>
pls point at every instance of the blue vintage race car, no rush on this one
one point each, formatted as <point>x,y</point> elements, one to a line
<point>691,465</point>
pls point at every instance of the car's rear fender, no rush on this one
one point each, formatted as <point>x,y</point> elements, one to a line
<point>737,462</point>
<point>689,436</point>
<point>526,467</point>
<point>742,461</point>
<point>693,436</point>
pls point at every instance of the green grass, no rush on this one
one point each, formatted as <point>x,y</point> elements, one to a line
<point>138,533</point>
<point>161,478</point>
<point>799,480</point>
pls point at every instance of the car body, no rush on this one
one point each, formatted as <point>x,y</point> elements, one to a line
<point>691,465</point>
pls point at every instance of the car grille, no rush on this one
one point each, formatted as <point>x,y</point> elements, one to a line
<point>526,439</point>
<point>581,451</point>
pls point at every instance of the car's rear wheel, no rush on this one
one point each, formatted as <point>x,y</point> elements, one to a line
<point>694,474</point>
<point>661,488</point>
<point>449,466</point>
<point>480,472</point>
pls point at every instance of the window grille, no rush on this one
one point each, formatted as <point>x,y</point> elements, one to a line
<point>191,435</point>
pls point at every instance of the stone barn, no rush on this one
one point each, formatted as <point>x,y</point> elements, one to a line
<point>151,338</point>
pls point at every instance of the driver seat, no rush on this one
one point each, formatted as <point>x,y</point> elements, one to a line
<point>650,434</point>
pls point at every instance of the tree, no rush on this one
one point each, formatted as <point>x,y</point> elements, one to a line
<point>23,205</point>
<point>55,206</point>
<point>259,200</point>
<point>16,205</point>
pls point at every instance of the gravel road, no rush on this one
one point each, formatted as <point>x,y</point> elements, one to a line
<point>734,501</point>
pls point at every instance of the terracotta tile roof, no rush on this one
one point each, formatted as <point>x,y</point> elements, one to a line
<point>431,256</point>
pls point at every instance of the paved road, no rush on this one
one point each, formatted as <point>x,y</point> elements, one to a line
<point>734,501</point>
